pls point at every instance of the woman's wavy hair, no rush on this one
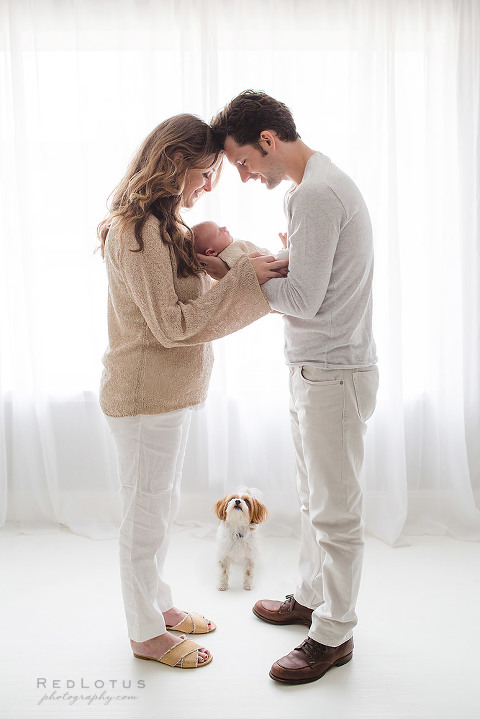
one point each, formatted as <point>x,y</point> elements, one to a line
<point>154,184</point>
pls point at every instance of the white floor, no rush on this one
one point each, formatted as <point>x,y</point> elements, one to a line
<point>63,636</point>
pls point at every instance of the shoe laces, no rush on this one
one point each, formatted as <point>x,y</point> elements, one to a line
<point>312,648</point>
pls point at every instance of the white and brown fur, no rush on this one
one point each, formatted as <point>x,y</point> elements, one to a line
<point>239,515</point>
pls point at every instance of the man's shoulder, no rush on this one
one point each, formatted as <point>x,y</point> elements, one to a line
<point>315,188</point>
<point>322,172</point>
<point>325,182</point>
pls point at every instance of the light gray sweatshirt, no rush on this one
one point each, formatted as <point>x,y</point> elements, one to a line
<point>326,298</point>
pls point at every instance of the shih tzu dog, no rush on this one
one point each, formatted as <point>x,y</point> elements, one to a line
<point>239,515</point>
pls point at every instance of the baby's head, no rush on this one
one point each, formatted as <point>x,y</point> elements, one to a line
<point>210,239</point>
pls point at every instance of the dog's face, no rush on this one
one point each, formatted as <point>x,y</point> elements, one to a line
<point>240,509</point>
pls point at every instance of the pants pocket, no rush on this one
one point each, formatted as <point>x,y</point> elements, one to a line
<point>365,383</point>
<point>320,377</point>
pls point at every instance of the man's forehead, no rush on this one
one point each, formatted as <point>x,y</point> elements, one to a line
<point>232,149</point>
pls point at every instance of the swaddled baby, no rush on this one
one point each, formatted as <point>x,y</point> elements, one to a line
<point>212,240</point>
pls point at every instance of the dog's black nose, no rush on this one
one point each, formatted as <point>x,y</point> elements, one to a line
<point>237,501</point>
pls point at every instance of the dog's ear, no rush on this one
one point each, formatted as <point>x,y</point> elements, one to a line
<point>220,508</point>
<point>259,512</point>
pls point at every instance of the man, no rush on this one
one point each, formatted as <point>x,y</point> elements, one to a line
<point>326,300</point>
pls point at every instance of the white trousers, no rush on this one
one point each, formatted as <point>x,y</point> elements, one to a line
<point>150,450</point>
<point>328,412</point>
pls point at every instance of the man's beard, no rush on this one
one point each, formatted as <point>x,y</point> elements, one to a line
<point>272,181</point>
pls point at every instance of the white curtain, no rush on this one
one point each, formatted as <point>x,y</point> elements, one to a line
<point>389,89</point>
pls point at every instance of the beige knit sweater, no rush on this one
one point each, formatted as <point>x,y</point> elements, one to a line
<point>160,326</point>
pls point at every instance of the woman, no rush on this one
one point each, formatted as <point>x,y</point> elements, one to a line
<point>162,315</point>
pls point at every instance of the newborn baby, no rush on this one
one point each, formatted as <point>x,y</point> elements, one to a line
<point>210,239</point>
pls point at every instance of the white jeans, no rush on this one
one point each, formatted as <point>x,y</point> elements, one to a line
<point>328,411</point>
<point>150,450</point>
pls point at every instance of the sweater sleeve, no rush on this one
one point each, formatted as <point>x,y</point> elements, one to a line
<point>230,304</point>
<point>315,221</point>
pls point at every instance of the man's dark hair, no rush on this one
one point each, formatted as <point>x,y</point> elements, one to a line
<point>248,114</point>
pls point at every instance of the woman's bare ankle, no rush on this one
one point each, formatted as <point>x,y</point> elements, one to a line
<point>156,646</point>
<point>174,616</point>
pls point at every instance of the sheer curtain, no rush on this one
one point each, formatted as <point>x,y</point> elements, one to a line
<point>388,90</point>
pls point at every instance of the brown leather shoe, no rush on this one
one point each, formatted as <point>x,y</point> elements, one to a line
<point>287,612</point>
<point>310,661</point>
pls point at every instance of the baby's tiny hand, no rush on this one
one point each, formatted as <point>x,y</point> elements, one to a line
<point>283,237</point>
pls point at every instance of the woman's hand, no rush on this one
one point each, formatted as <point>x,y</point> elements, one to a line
<point>213,265</point>
<point>267,267</point>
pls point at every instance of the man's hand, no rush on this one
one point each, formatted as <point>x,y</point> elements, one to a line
<point>214,266</point>
<point>282,271</point>
<point>267,267</point>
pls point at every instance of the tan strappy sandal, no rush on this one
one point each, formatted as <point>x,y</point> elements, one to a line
<point>193,623</point>
<point>183,655</point>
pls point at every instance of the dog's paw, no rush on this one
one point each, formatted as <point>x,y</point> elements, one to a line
<point>222,587</point>
<point>247,585</point>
